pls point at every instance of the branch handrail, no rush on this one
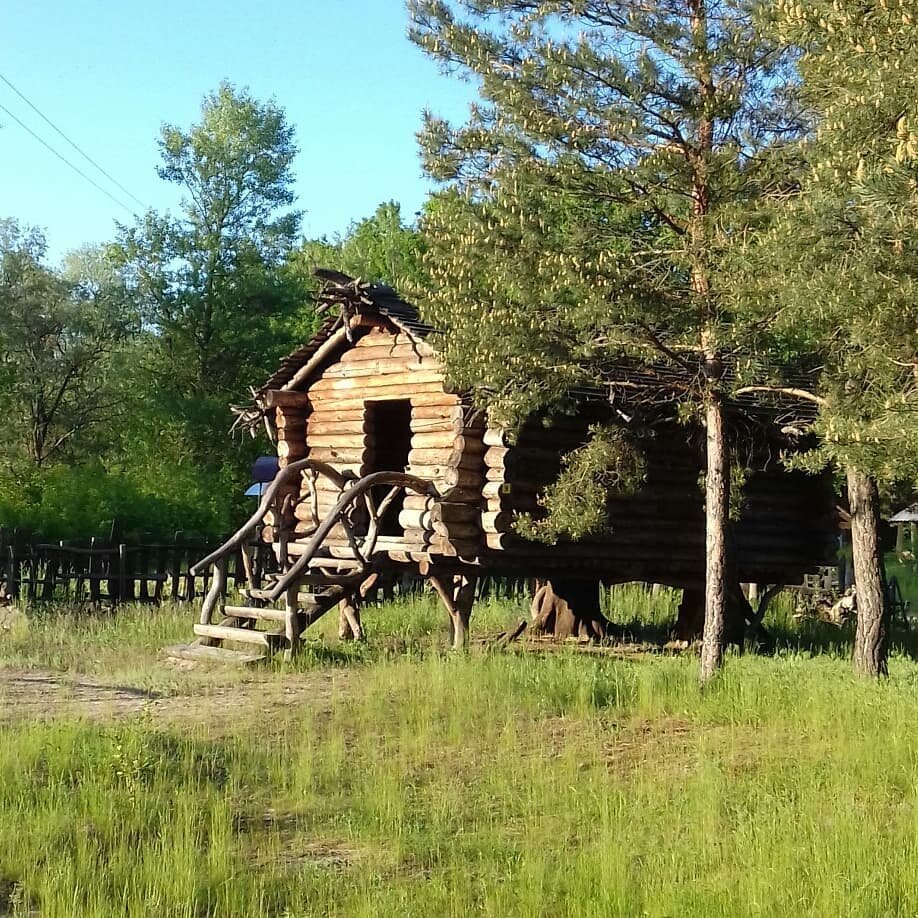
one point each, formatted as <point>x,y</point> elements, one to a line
<point>267,499</point>
<point>359,489</point>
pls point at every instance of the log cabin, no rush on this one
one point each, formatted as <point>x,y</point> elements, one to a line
<point>384,467</point>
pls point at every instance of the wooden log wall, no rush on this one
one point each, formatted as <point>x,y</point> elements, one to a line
<point>484,481</point>
<point>386,365</point>
<point>658,534</point>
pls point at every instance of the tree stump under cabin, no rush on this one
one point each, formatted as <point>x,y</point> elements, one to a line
<point>569,609</point>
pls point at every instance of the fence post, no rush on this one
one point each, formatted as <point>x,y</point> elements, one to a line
<point>122,573</point>
<point>47,590</point>
<point>12,573</point>
<point>176,568</point>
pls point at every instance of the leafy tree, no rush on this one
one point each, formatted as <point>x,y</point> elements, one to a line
<point>835,273</point>
<point>210,283</point>
<point>60,335</point>
<point>591,198</point>
<point>379,248</point>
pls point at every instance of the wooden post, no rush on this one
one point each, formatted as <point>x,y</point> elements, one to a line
<point>292,621</point>
<point>464,599</point>
<point>350,627</point>
<point>47,591</point>
<point>122,573</point>
<point>176,569</point>
<point>95,575</point>
<point>458,597</point>
<point>12,580</point>
<point>216,592</point>
<point>30,589</point>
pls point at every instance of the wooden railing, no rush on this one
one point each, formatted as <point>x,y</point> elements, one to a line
<point>356,511</point>
<point>358,496</point>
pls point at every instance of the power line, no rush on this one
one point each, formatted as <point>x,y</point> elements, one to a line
<point>72,143</point>
<point>64,159</point>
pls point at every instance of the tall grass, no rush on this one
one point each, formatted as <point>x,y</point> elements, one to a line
<point>494,785</point>
<point>490,783</point>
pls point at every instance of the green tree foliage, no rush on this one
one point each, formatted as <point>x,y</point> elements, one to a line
<point>836,270</point>
<point>219,304</point>
<point>592,196</point>
<point>381,248</point>
<point>210,283</point>
<point>78,450</point>
<point>60,339</point>
<point>576,502</point>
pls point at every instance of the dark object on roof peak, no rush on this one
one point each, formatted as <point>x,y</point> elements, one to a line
<point>342,300</point>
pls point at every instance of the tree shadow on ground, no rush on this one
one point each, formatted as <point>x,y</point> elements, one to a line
<point>807,636</point>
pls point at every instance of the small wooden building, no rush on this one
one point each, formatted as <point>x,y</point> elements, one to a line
<point>384,466</point>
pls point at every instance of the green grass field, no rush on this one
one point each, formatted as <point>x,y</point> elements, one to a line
<point>496,783</point>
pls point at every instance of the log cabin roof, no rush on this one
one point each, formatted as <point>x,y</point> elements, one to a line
<point>349,298</point>
<point>628,383</point>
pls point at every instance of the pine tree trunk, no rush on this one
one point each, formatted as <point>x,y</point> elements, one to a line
<point>871,640</point>
<point>716,511</point>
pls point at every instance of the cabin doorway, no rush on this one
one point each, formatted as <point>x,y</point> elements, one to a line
<point>388,425</point>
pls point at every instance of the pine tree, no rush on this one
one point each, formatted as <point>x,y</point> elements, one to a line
<point>836,273</point>
<point>590,199</point>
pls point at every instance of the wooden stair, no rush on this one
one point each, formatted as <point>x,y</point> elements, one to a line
<point>241,624</point>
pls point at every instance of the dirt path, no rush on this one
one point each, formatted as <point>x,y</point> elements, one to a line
<point>31,695</point>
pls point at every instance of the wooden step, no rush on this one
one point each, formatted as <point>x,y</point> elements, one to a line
<point>268,615</point>
<point>242,635</point>
<point>341,564</point>
<point>213,654</point>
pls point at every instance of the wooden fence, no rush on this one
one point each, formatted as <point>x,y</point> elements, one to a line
<point>108,570</point>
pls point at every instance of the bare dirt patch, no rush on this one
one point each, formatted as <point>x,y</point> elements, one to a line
<point>28,695</point>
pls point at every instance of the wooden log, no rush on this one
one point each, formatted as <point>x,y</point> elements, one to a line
<point>286,420</point>
<point>445,475</point>
<point>302,510</point>
<point>443,456</point>
<point>495,436</point>
<point>437,425</point>
<point>445,413</point>
<point>444,459</point>
<point>385,348</point>
<point>344,460</point>
<point>494,490</point>
<point>425,394</point>
<point>291,450</point>
<point>341,441</point>
<point>448,477</point>
<point>328,413</point>
<point>443,439</point>
<point>321,427</point>
<point>495,456</point>
<point>457,531</point>
<point>469,493</point>
<point>501,521</point>
<point>374,381</point>
<point>279,398</point>
<point>442,510</point>
<point>382,367</point>
<point>415,519</point>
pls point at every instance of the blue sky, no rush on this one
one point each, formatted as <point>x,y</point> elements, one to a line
<point>109,73</point>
